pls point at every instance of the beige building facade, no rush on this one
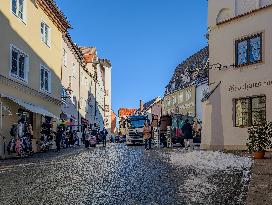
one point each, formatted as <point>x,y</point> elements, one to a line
<point>240,76</point>
<point>97,89</point>
<point>106,67</point>
<point>87,87</point>
<point>72,66</point>
<point>30,63</point>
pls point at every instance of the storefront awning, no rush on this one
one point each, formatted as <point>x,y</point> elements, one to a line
<point>31,107</point>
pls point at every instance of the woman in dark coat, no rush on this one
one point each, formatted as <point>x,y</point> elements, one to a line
<point>58,138</point>
<point>187,131</point>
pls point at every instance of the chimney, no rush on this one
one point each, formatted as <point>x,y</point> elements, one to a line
<point>141,106</point>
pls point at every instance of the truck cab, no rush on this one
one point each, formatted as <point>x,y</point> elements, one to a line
<point>135,129</point>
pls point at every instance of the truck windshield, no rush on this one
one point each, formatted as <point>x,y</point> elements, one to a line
<point>137,123</point>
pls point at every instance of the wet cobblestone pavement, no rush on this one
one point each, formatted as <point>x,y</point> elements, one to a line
<point>120,175</point>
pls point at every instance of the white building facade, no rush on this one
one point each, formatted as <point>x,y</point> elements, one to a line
<point>240,44</point>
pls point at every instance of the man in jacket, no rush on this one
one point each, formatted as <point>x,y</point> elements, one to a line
<point>147,136</point>
<point>104,134</point>
<point>188,134</point>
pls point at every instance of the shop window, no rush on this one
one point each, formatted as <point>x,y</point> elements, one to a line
<point>18,8</point>
<point>19,64</point>
<point>248,50</point>
<point>250,111</point>
<point>45,33</point>
<point>45,79</point>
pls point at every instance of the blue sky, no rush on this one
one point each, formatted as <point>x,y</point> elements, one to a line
<point>144,39</point>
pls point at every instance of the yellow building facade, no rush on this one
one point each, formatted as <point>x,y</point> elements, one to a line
<point>30,63</point>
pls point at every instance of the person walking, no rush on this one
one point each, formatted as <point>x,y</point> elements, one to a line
<point>187,131</point>
<point>195,127</point>
<point>147,136</point>
<point>104,134</point>
<point>58,138</point>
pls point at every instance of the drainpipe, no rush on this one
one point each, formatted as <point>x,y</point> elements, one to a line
<point>1,115</point>
<point>1,126</point>
<point>78,102</point>
<point>95,95</point>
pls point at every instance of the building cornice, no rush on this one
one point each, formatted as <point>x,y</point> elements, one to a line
<point>28,90</point>
<point>75,49</point>
<point>243,15</point>
<point>55,14</point>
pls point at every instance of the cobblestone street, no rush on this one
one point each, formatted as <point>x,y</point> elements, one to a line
<point>119,174</point>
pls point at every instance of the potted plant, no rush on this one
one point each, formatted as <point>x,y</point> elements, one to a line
<point>259,139</point>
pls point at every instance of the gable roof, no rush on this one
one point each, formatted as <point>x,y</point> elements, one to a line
<point>192,71</point>
<point>150,103</point>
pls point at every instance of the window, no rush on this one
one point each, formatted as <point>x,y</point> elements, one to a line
<point>181,98</point>
<point>18,8</point>
<point>74,70</point>
<point>19,64</point>
<point>106,92</point>
<point>86,81</point>
<point>45,31</point>
<point>64,57</point>
<point>248,50</point>
<point>174,100</point>
<point>45,79</point>
<point>250,111</point>
<point>168,102</point>
<point>107,108</point>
